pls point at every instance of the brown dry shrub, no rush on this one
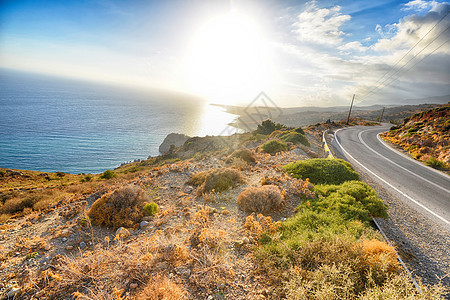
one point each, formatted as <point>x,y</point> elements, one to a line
<point>176,254</point>
<point>260,199</point>
<point>244,154</point>
<point>380,255</point>
<point>160,288</point>
<point>217,180</point>
<point>205,236</point>
<point>124,207</point>
<point>261,224</point>
<point>211,266</point>
<point>102,273</point>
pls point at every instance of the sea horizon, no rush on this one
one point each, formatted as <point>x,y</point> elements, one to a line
<point>53,124</point>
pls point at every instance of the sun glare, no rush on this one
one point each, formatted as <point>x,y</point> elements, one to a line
<point>227,60</point>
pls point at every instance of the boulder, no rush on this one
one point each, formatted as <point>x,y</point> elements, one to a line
<point>176,139</point>
<point>122,233</point>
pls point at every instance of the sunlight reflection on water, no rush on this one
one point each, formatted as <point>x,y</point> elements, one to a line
<point>214,120</point>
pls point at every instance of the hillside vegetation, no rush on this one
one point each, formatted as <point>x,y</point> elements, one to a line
<point>217,218</point>
<point>425,136</point>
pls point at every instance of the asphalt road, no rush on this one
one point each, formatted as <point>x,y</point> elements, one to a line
<point>422,188</point>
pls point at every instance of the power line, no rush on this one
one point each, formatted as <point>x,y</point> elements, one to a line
<point>412,48</point>
<point>419,61</point>
<point>379,85</point>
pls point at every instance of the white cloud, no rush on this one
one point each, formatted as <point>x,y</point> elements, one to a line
<point>320,25</point>
<point>419,5</point>
<point>412,29</point>
<point>353,46</point>
<point>388,31</point>
<point>319,74</point>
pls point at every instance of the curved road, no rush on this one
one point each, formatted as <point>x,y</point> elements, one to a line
<point>424,189</point>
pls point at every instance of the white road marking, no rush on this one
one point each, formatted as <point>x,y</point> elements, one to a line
<point>394,163</point>
<point>393,187</point>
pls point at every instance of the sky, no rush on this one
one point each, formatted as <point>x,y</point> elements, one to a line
<point>300,53</point>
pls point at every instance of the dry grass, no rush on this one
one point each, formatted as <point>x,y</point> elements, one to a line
<point>123,207</point>
<point>160,288</point>
<point>263,199</point>
<point>244,154</point>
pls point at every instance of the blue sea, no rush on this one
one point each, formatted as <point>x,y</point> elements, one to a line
<point>53,124</point>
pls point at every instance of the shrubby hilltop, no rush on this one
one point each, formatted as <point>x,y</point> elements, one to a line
<point>425,136</point>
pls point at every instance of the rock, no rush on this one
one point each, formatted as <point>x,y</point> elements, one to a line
<point>83,245</point>
<point>133,286</point>
<point>47,247</point>
<point>64,239</point>
<point>122,233</point>
<point>68,248</point>
<point>13,292</point>
<point>188,189</point>
<point>245,240</point>
<point>175,139</point>
<point>143,224</point>
<point>183,271</point>
<point>216,296</point>
<point>44,260</point>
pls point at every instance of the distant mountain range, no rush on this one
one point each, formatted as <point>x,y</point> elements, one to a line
<point>250,117</point>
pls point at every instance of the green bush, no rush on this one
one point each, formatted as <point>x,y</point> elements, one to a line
<point>268,126</point>
<point>274,146</point>
<point>32,255</point>
<point>299,130</point>
<point>108,174</point>
<point>151,208</point>
<point>352,200</point>
<point>322,170</point>
<point>295,138</point>
<point>434,162</point>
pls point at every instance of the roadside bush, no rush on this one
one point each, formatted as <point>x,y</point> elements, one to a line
<point>151,208</point>
<point>108,174</point>
<point>434,162</point>
<point>260,199</point>
<point>274,146</point>
<point>322,170</point>
<point>217,180</point>
<point>268,126</point>
<point>295,137</point>
<point>352,200</point>
<point>244,154</point>
<point>122,208</point>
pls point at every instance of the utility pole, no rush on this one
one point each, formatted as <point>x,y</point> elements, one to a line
<point>350,111</point>
<point>382,113</point>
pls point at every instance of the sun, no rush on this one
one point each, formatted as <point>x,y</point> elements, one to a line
<point>227,59</point>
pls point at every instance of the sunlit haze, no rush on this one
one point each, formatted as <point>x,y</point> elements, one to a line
<point>300,53</point>
<point>228,59</point>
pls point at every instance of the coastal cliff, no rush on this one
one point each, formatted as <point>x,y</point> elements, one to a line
<point>176,139</point>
